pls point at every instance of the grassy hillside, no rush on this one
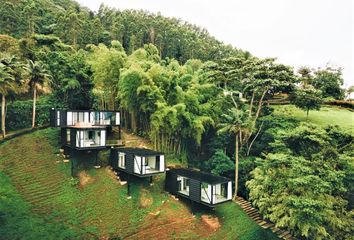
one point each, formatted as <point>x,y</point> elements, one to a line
<point>97,205</point>
<point>328,115</point>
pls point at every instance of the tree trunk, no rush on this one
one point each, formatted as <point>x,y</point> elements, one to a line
<point>250,146</point>
<point>260,104</point>
<point>236,167</point>
<point>34,106</point>
<point>3,102</point>
<point>307,114</point>
<point>251,105</point>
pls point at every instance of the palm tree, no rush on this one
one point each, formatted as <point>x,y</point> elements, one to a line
<point>38,78</point>
<point>233,125</point>
<point>8,84</point>
<point>238,123</point>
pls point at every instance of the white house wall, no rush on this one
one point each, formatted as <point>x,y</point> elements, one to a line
<point>143,160</point>
<point>229,190</point>
<point>58,118</point>
<point>137,164</point>
<point>206,194</point>
<point>117,118</point>
<point>214,191</point>
<point>103,138</point>
<point>162,163</point>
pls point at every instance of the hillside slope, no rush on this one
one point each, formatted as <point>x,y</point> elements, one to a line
<point>97,208</point>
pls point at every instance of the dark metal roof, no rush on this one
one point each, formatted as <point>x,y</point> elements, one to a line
<point>138,151</point>
<point>201,176</point>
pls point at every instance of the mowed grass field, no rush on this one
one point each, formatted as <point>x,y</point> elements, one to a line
<point>328,115</point>
<point>95,206</point>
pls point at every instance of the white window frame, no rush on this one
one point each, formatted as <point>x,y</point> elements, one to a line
<point>121,159</point>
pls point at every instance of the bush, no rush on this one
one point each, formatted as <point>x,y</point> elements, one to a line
<point>220,164</point>
<point>19,114</point>
<point>341,103</point>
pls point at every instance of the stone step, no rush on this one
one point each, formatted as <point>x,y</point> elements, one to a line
<point>253,215</point>
<point>268,225</point>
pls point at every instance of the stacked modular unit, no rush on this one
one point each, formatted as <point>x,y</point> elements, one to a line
<point>140,162</point>
<point>85,129</point>
<point>200,187</point>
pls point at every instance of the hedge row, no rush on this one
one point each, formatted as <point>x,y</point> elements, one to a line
<point>341,103</point>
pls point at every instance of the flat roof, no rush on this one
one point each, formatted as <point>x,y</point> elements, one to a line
<point>80,110</point>
<point>199,175</point>
<point>138,151</point>
<point>86,127</point>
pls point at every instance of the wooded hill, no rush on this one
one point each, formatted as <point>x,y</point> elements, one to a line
<point>79,26</point>
<point>202,102</point>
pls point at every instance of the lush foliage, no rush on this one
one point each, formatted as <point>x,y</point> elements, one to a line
<point>307,99</point>
<point>79,26</point>
<point>18,113</point>
<point>205,102</point>
<point>220,163</point>
<point>329,81</point>
<point>303,183</point>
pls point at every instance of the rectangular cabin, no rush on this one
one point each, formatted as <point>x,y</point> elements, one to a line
<point>200,187</point>
<point>140,162</point>
<point>69,118</point>
<point>84,138</point>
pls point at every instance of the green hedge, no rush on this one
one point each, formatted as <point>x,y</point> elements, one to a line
<point>341,103</point>
<point>19,114</point>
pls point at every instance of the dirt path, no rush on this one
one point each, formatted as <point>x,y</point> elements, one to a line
<point>132,140</point>
<point>172,220</point>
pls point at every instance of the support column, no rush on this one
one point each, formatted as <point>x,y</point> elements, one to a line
<point>72,167</point>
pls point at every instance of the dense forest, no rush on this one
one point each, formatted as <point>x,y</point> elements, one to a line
<point>205,103</point>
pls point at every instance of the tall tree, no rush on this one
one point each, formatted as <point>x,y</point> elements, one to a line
<point>39,78</point>
<point>329,81</point>
<point>305,75</point>
<point>106,64</point>
<point>235,122</point>
<point>307,99</point>
<point>9,70</point>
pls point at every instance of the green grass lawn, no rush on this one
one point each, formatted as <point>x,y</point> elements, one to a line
<point>35,180</point>
<point>328,115</point>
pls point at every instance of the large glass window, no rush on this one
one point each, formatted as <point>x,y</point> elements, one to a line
<point>220,193</point>
<point>106,118</point>
<point>152,164</point>
<point>90,138</point>
<point>183,185</point>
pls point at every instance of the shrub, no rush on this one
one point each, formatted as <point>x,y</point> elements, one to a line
<point>19,114</point>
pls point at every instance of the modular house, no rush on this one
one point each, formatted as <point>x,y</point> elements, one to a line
<point>200,187</point>
<point>140,162</point>
<point>86,129</point>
